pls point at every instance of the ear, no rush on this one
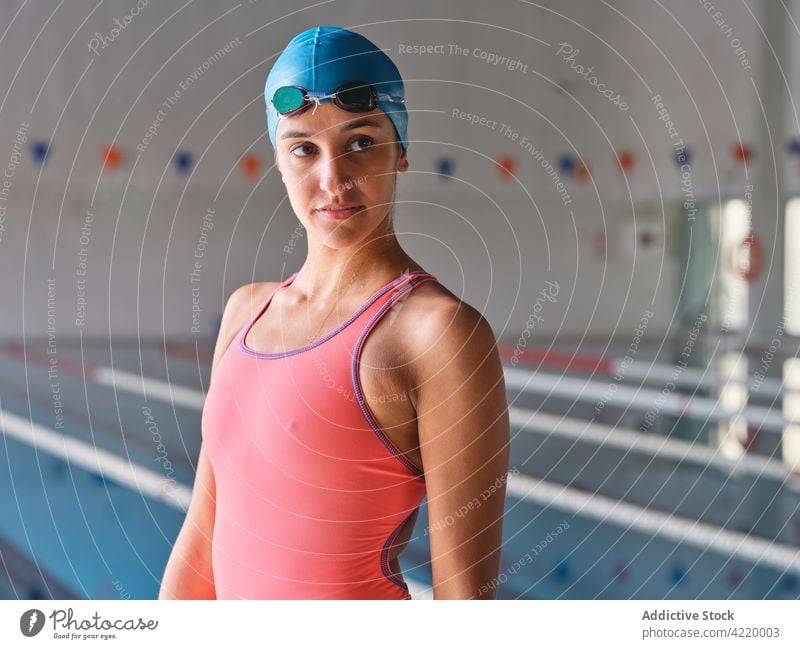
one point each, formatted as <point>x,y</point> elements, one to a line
<point>402,161</point>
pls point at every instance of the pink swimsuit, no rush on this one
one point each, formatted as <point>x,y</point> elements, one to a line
<point>310,492</point>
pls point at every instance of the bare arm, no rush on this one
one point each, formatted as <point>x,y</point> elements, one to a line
<point>188,574</point>
<point>462,417</point>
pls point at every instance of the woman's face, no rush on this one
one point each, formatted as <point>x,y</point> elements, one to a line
<point>339,170</point>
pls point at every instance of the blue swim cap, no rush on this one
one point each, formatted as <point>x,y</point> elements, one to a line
<point>320,59</point>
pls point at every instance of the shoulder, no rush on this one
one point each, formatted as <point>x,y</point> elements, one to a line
<point>243,303</point>
<point>439,329</point>
<point>441,318</point>
<point>240,307</point>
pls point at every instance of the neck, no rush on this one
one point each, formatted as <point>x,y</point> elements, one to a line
<point>328,273</point>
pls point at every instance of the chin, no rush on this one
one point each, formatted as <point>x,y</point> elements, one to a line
<point>344,234</point>
<point>342,237</point>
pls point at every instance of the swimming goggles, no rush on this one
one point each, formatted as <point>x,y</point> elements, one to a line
<point>352,96</point>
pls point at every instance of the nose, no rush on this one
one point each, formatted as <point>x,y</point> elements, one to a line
<point>333,174</point>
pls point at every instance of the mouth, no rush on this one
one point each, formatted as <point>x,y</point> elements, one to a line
<point>339,212</point>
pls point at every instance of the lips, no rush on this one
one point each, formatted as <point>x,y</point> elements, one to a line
<point>339,212</point>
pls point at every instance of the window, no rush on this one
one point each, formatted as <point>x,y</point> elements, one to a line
<point>791,266</point>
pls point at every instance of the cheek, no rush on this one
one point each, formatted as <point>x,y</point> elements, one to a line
<point>380,188</point>
<point>298,180</point>
<point>299,193</point>
<point>379,184</point>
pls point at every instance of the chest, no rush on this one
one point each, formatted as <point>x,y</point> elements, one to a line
<point>382,367</point>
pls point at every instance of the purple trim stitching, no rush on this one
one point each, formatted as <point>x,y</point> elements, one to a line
<point>339,329</point>
<point>249,325</point>
<point>417,471</point>
<point>385,552</point>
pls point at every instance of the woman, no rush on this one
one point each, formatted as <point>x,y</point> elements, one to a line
<point>328,419</point>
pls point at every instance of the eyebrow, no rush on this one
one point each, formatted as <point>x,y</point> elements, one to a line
<point>364,121</point>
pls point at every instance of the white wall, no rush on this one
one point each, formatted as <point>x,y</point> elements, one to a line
<point>493,242</point>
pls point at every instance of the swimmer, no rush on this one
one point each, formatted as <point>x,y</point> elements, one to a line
<point>348,391</point>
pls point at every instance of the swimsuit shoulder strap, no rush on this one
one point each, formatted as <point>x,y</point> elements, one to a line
<point>246,328</point>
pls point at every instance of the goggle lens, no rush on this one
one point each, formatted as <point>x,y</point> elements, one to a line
<point>288,99</point>
<point>356,97</point>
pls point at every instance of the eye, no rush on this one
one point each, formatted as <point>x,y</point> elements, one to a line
<point>362,143</point>
<point>302,150</point>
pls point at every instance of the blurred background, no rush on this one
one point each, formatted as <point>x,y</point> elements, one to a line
<point>615,185</point>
